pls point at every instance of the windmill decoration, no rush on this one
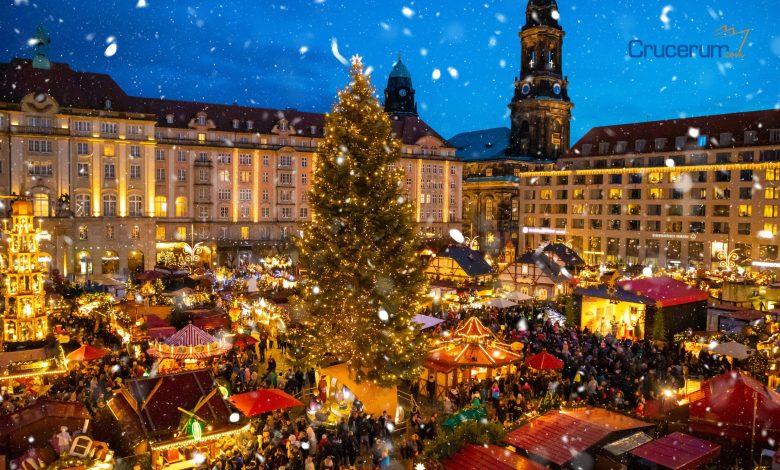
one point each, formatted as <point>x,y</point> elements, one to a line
<point>192,424</point>
<point>612,288</point>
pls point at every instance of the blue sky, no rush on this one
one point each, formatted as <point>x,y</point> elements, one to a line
<point>279,53</point>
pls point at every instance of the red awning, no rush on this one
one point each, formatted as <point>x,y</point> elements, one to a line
<point>161,332</point>
<point>678,451</point>
<point>667,291</point>
<point>263,400</point>
<point>473,457</point>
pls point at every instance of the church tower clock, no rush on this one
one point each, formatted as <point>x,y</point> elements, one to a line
<point>399,94</point>
<point>540,108</point>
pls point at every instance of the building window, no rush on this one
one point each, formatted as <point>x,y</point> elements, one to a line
<point>265,160</point>
<point>203,212</point>
<point>41,205</point>
<point>82,148</point>
<point>159,233</point>
<point>181,174</point>
<point>304,212</point>
<point>109,128</point>
<point>83,232</point>
<point>181,206</point>
<point>286,213</point>
<point>201,119</point>
<point>285,160</point>
<point>159,155</point>
<point>224,176</point>
<point>223,194</point>
<point>304,178</point>
<point>161,206</point>
<point>83,205</point>
<point>244,159</point>
<point>224,158</point>
<point>82,126</point>
<point>245,176</point>
<point>109,205</point>
<point>181,233</point>
<point>285,178</point>
<point>135,151</point>
<point>135,172</point>
<point>244,212</point>
<point>244,194</point>
<point>224,212</point>
<point>135,232</point>
<point>265,212</point>
<point>82,169</point>
<point>39,146</point>
<point>159,175</point>
<point>203,175</point>
<point>109,232</point>
<point>245,232</point>
<point>109,171</point>
<point>265,195</point>
<point>488,209</point>
<point>136,206</point>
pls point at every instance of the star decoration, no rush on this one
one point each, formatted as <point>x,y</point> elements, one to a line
<point>356,59</point>
<point>419,466</point>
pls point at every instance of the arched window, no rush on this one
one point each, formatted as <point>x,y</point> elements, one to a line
<point>489,209</point>
<point>84,260</point>
<point>136,206</point>
<point>83,205</point>
<point>41,205</point>
<point>109,205</point>
<point>161,206</point>
<point>109,263</point>
<point>181,206</point>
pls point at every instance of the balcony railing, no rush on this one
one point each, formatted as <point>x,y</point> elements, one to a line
<point>39,130</point>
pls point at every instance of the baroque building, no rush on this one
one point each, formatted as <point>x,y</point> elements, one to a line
<point>540,110</point>
<point>123,183</point>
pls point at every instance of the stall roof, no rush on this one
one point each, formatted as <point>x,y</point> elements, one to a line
<point>473,457</point>
<point>559,436</point>
<point>668,291</point>
<point>472,262</point>
<point>650,291</point>
<point>678,451</point>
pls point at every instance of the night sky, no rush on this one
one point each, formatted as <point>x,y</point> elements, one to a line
<point>280,53</point>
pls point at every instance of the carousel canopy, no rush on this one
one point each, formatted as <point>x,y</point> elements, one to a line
<point>190,335</point>
<point>472,345</point>
<point>189,343</point>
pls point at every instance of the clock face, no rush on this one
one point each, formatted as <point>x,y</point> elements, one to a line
<point>402,92</point>
<point>526,88</point>
<point>557,88</point>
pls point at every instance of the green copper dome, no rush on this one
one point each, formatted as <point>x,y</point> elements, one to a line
<point>400,70</point>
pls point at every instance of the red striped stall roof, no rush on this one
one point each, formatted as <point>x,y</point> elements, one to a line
<point>474,457</point>
<point>190,335</point>
<point>678,451</point>
<point>669,292</point>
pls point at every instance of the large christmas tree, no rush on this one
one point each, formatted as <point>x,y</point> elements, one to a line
<point>360,246</point>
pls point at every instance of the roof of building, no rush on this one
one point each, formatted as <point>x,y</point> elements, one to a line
<point>156,402</point>
<point>678,451</point>
<point>664,289</point>
<point>549,267</point>
<point>482,144</point>
<point>568,256</point>
<point>711,127</point>
<point>470,261</point>
<point>400,70</point>
<point>473,457</point>
<point>89,90</point>
<point>559,436</point>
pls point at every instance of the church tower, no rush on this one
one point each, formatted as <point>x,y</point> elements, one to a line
<point>399,94</point>
<point>540,108</point>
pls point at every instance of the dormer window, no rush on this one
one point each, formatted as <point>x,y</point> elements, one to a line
<point>679,141</point>
<point>235,123</point>
<point>725,139</point>
<point>201,119</point>
<point>586,149</point>
<point>313,130</point>
<point>603,147</point>
<point>107,103</point>
<point>169,118</point>
<point>751,137</point>
<point>250,124</point>
<point>639,145</point>
<point>660,143</point>
<point>283,125</point>
<point>620,147</point>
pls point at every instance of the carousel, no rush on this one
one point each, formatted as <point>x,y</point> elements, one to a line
<point>472,352</point>
<point>189,346</point>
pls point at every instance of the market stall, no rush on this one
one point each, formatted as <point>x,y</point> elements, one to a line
<point>472,352</point>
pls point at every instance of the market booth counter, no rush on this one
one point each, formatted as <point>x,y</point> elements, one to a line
<point>175,418</point>
<point>32,366</point>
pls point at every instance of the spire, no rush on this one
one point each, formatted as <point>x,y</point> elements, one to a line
<point>42,41</point>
